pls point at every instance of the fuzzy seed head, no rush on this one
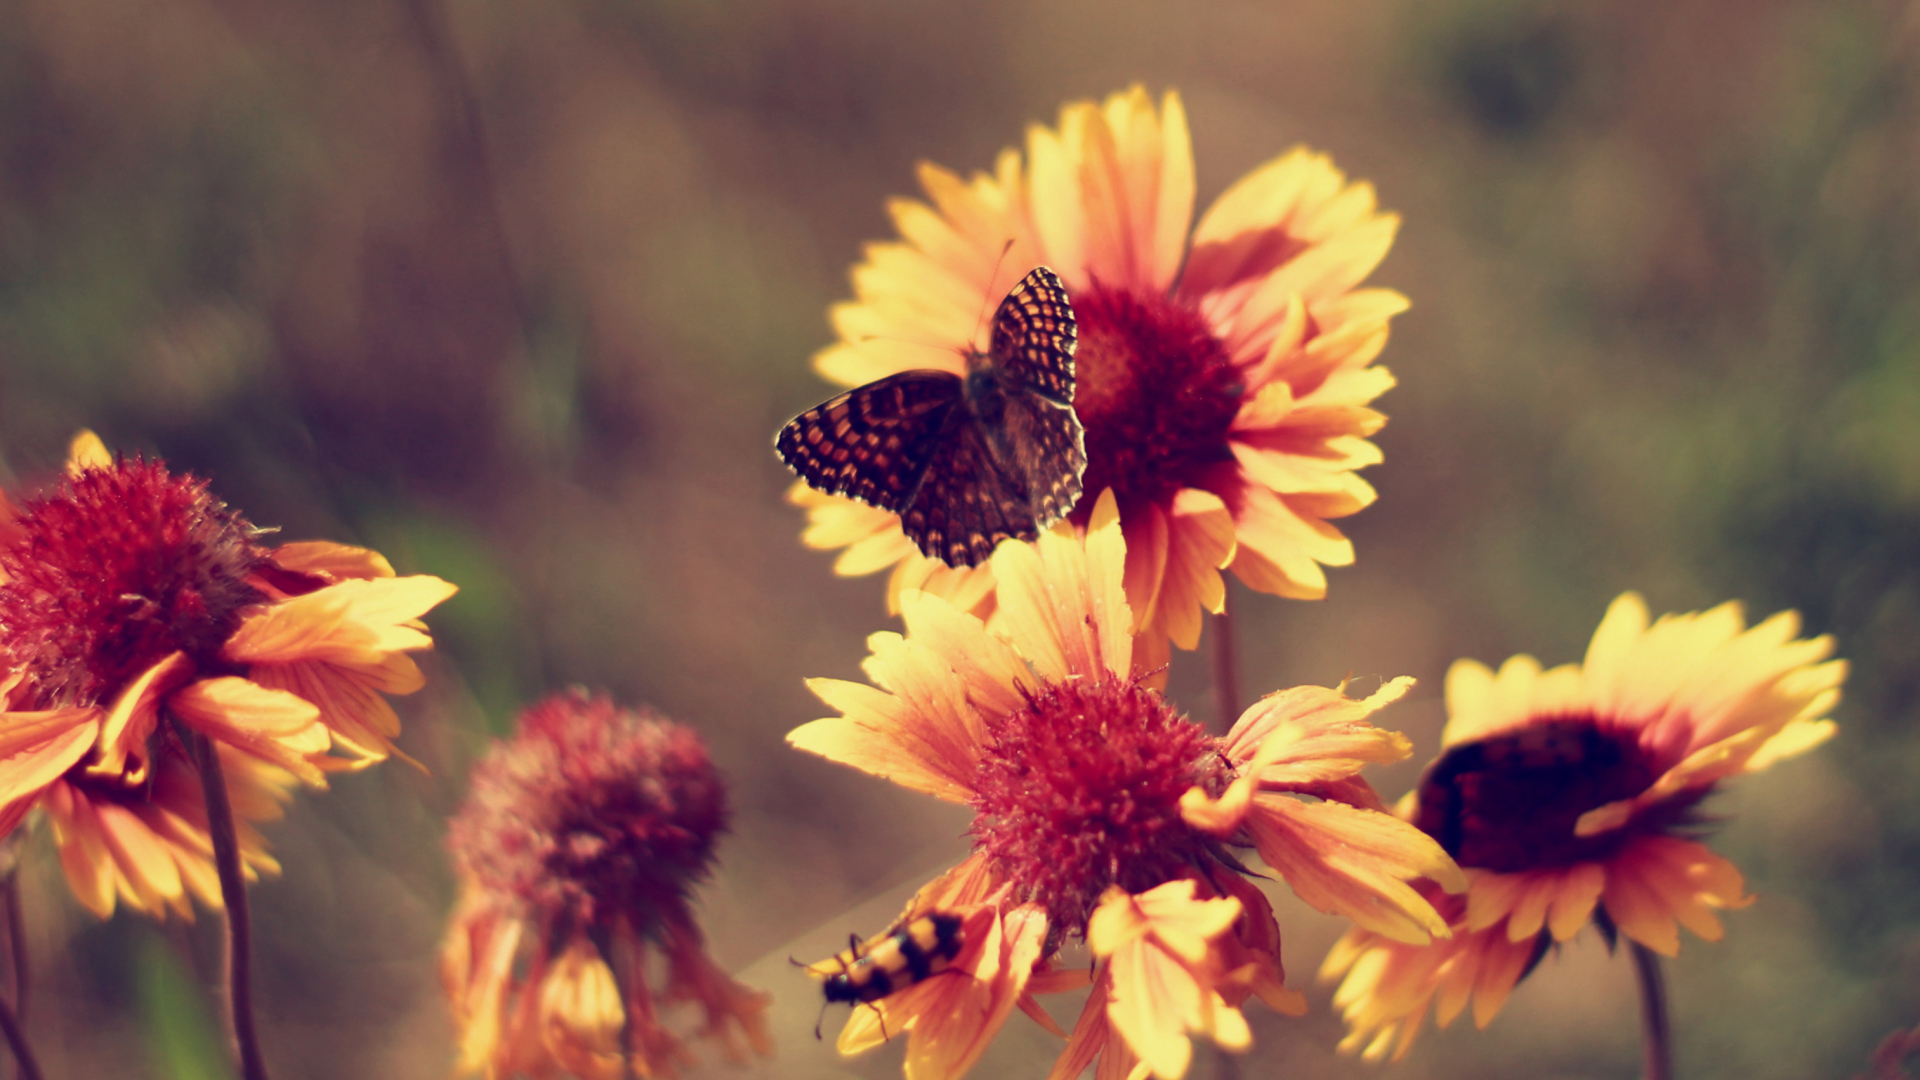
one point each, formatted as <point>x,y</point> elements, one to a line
<point>593,813</point>
<point>1080,790</point>
<point>115,570</point>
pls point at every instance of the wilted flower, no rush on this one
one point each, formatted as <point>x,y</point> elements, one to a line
<point>1571,795</point>
<point>130,597</point>
<point>1103,814</point>
<point>577,849</point>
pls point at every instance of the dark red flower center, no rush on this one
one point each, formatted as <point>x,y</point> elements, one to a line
<point>1510,802</point>
<point>1156,392</point>
<point>112,572</point>
<point>1080,789</point>
<point>593,811</point>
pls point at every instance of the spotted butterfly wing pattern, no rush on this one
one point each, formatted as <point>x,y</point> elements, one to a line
<point>1034,336</point>
<point>1039,436</point>
<point>872,443</point>
<point>967,462</point>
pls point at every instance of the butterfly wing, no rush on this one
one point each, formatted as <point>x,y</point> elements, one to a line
<point>874,442</point>
<point>1037,437</point>
<point>966,464</point>
<point>1044,448</point>
<point>1034,336</point>
<point>966,503</point>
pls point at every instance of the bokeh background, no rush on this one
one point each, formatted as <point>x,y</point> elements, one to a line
<point>517,291</point>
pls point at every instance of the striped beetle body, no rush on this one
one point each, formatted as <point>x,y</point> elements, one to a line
<point>913,951</point>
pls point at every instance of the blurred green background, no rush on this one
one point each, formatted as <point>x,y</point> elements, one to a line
<point>517,291</point>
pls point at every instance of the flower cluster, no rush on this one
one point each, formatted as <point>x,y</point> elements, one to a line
<point>1224,378</point>
<point>576,849</point>
<point>137,611</point>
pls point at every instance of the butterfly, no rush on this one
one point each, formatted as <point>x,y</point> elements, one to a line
<point>965,462</point>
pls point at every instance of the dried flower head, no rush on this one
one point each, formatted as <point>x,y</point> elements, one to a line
<point>578,848</point>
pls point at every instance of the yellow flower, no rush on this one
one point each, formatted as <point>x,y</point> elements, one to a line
<point>1223,370</point>
<point>1101,813</point>
<point>130,595</point>
<point>1570,796</point>
<point>577,848</point>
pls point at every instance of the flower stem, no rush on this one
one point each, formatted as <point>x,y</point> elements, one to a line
<point>233,892</point>
<point>17,1042</point>
<point>1654,1023</point>
<point>619,954</point>
<point>17,943</point>
<point>1226,669</point>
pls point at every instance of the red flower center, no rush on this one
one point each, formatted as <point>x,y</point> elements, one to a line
<point>593,812</point>
<point>1510,803</point>
<point>114,571</point>
<point>1156,392</point>
<point>1080,789</point>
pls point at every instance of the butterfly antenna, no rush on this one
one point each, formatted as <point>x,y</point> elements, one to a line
<point>987,300</point>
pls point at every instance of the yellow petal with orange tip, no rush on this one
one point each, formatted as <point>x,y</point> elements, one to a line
<point>83,850</point>
<point>1200,544</point>
<point>148,877</point>
<point>880,735</point>
<point>36,748</point>
<point>1310,734</point>
<point>349,699</point>
<point>271,724</point>
<point>352,622</point>
<point>1353,862</point>
<point>991,670</point>
<point>1158,946</point>
<point>335,562</point>
<point>127,726</point>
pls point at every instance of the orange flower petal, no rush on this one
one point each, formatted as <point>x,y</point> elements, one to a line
<point>1353,862</point>
<point>355,623</point>
<point>83,848</point>
<point>349,701</point>
<point>1062,605</point>
<point>36,748</point>
<point>1158,945</point>
<point>336,562</point>
<point>135,712</point>
<point>1308,735</point>
<point>881,734</point>
<point>272,724</point>
<point>1200,544</point>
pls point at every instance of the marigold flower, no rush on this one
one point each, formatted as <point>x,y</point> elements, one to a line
<point>1103,814</point>
<point>1570,796</point>
<point>129,595</point>
<point>1223,372</point>
<point>577,848</point>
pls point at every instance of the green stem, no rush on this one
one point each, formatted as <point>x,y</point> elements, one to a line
<point>1655,1025</point>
